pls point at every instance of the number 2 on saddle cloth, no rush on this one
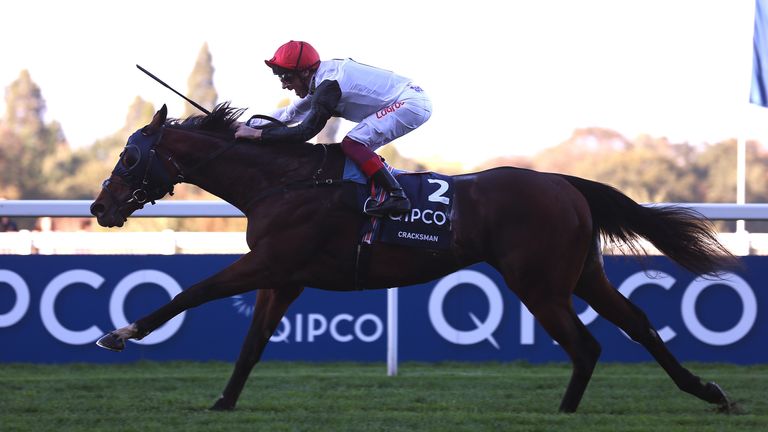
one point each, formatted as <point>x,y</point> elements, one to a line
<point>427,225</point>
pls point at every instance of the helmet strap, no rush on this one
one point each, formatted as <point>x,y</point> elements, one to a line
<point>307,77</point>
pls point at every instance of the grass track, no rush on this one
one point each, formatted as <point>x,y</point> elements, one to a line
<point>151,396</point>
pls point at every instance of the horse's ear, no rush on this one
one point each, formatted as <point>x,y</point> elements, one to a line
<point>157,121</point>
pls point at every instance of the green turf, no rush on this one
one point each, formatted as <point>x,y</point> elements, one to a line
<point>174,396</point>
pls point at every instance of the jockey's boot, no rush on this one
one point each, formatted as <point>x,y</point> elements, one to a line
<point>396,202</point>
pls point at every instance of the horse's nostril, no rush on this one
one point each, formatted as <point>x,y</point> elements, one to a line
<point>97,209</point>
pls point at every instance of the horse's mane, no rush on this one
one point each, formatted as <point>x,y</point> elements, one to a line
<point>219,121</point>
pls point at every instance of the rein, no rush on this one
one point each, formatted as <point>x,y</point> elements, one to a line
<point>314,181</point>
<point>141,144</point>
<point>150,189</point>
<point>181,176</point>
<point>146,169</point>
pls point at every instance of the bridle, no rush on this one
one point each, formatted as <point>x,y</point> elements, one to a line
<point>148,173</point>
<point>145,171</point>
<point>141,170</point>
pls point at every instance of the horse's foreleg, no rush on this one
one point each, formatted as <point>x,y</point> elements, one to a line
<point>246,274</point>
<point>271,305</point>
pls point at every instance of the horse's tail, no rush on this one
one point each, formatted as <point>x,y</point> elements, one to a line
<point>682,234</point>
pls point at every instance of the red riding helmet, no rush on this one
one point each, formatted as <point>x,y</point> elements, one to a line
<point>295,56</point>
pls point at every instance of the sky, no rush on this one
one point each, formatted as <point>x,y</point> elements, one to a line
<point>505,78</point>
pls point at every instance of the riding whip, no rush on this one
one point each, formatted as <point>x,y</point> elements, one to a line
<point>195,104</point>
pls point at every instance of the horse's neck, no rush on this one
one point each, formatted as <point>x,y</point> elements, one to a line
<point>244,170</point>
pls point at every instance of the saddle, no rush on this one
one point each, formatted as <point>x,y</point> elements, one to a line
<point>427,225</point>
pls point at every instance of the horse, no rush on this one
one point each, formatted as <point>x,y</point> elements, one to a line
<point>541,231</point>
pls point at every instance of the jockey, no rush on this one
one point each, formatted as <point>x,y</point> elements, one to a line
<point>384,105</point>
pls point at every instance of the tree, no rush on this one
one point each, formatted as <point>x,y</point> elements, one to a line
<point>10,147</point>
<point>580,153</point>
<point>29,145</point>
<point>200,86</point>
<point>716,169</point>
<point>395,159</point>
<point>24,107</point>
<point>80,171</point>
<point>139,114</point>
<point>501,161</point>
<point>648,169</point>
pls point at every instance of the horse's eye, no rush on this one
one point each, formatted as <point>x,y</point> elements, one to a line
<point>130,157</point>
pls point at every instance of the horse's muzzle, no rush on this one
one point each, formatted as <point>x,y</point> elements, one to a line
<point>106,218</point>
<point>97,209</point>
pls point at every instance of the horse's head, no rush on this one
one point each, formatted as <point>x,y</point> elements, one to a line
<point>138,177</point>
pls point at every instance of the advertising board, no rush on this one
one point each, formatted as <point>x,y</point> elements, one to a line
<point>53,308</point>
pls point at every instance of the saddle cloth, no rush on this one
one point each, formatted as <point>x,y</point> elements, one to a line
<point>427,225</point>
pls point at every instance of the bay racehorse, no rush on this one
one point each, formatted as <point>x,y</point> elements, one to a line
<point>541,231</point>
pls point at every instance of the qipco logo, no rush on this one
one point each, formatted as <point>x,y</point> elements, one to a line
<point>343,327</point>
<point>484,328</point>
<point>58,284</point>
<point>688,312</point>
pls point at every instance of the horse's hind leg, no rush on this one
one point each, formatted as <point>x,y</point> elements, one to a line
<point>598,292</point>
<point>548,298</point>
<point>563,325</point>
<point>271,305</point>
<point>544,278</point>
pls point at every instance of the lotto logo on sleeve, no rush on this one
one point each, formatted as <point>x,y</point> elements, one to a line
<point>390,109</point>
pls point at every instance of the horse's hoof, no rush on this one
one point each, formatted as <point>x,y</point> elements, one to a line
<point>222,405</point>
<point>111,342</point>
<point>724,403</point>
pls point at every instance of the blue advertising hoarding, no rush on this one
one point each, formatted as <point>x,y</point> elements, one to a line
<point>53,308</point>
